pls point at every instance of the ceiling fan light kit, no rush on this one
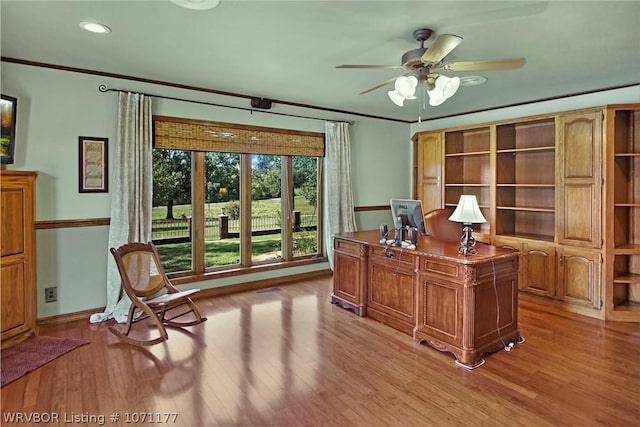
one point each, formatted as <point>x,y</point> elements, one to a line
<point>405,88</point>
<point>396,98</point>
<point>444,88</point>
<point>436,97</point>
<point>421,63</point>
<point>448,85</point>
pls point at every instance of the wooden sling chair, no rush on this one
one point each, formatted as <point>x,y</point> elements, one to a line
<point>151,293</point>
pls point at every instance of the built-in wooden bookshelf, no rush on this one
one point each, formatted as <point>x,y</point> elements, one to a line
<point>525,179</point>
<point>625,260</point>
<point>467,169</point>
<point>562,188</point>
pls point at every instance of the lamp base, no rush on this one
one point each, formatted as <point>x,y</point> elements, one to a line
<point>467,241</point>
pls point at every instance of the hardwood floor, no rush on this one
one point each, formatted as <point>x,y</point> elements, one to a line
<point>288,357</point>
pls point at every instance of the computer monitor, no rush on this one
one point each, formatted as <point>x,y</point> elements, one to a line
<point>409,209</point>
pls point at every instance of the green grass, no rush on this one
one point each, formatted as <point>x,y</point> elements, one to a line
<point>177,256</point>
<point>269,207</point>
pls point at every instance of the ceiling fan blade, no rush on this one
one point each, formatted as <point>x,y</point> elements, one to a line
<point>386,82</point>
<point>380,67</point>
<point>502,64</point>
<point>440,48</point>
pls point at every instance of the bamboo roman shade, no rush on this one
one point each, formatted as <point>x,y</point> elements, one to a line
<point>177,133</point>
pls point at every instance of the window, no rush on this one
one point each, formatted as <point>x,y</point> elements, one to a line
<point>222,209</point>
<point>267,207</point>
<point>305,205</point>
<point>171,217</point>
<point>218,210</point>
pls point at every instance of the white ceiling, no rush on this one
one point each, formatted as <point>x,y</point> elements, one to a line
<point>288,50</point>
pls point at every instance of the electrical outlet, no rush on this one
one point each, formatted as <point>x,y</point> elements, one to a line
<point>51,294</point>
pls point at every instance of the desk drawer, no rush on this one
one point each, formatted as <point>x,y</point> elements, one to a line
<point>444,269</point>
<point>348,247</point>
<point>404,257</point>
<point>475,273</point>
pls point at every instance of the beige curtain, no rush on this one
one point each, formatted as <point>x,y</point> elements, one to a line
<point>338,215</point>
<point>131,193</point>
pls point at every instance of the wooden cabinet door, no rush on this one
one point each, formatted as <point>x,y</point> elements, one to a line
<point>579,276</point>
<point>17,250</point>
<point>391,288</point>
<point>428,179</point>
<point>14,295</point>
<point>538,269</point>
<point>579,179</point>
<point>511,243</point>
<point>350,276</point>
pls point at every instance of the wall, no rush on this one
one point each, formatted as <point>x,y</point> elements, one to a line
<point>56,107</point>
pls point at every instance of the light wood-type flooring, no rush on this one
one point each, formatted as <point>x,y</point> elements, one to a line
<point>287,357</point>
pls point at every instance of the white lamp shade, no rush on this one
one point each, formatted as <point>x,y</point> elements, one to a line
<point>406,86</point>
<point>448,85</point>
<point>396,97</point>
<point>468,211</point>
<point>436,97</point>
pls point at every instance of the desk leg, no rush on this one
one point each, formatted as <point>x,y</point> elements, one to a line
<point>359,310</point>
<point>470,366</point>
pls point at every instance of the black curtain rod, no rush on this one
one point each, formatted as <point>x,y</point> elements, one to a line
<point>104,89</point>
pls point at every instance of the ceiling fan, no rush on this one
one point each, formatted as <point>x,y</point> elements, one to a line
<point>424,63</point>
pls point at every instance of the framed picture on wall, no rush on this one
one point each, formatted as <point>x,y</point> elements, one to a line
<point>9,109</point>
<point>93,165</point>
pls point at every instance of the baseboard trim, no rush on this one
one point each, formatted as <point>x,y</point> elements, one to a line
<point>69,317</point>
<point>204,293</point>
<point>261,284</point>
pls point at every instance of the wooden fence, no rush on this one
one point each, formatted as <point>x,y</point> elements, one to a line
<point>164,231</point>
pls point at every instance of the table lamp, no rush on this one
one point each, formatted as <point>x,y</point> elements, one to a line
<point>468,213</point>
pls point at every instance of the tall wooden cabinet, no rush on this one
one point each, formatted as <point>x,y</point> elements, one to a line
<point>580,179</point>
<point>579,193</point>
<point>427,158</point>
<point>563,189</point>
<point>17,265</point>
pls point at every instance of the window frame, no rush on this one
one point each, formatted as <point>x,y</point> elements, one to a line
<point>198,270</point>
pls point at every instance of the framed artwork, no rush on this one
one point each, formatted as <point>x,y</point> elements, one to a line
<point>9,109</point>
<point>93,165</point>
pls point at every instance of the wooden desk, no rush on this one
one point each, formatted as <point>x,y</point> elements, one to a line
<point>431,293</point>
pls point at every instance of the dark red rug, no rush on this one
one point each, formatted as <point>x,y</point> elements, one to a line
<point>32,353</point>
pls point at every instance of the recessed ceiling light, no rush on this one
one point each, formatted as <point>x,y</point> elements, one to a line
<point>472,80</point>
<point>197,4</point>
<point>95,27</point>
